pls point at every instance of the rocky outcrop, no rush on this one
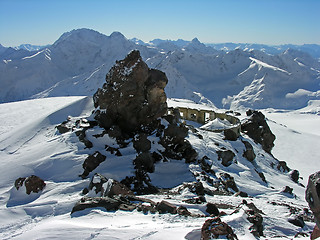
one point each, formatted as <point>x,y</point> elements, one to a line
<point>92,202</point>
<point>256,127</point>
<point>144,161</point>
<point>215,228</point>
<point>131,107</point>
<point>32,184</point>
<point>63,127</point>
<point>103,187</point>
<point>166,207</point>
<point>249,152</point>
<point>295,175</point>
<point>315,233</point>
<point>133,95</point>
<point>212,209</point>
<point>226,157</point>
<point>141,143</point>
<point>297,221</point>
<point>230,135</point>
<point>313,195</point>
<point>228,182</point>
<point>282,166</point>
<point>254,216</point>
<point>91,162</point>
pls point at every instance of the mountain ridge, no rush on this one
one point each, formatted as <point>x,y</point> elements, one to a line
<point>77,62</point>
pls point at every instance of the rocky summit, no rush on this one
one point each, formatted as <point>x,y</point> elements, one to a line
<point>131,108</point>
<point>133,95</point>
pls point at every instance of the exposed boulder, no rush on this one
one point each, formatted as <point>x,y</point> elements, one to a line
<point>113,150</point>
<point>146,208</point>
<point>183,211</point>
<point>296,220</point>
<point>315,233</point>
<point>141,143</point>
<point>92,202</point>
<point>175,144</point>
<point>294,175</point>
<point>242,194</point>
<point>131,107</point>
<point>261,175</point>
<point>63,127</point>
<point>256,127</point>
<point>313,195</point>
<point>166,207</point>
<point>176,133</point>
<point>226,156</point>
<point>230,135</point>
<point>196,200</point>
<point>195,187</point>
<point>248,153</point>
<point>288,190</point>
<point>91,162</point>
<point>144,161</point>
<point>115,132</point>
<point>215,228</point>
<point>228,182</point>
<point>140,183</point>
<point>81,134</point>
<point>282,166</point>
<point>212,209</point>
<point>132,96</point>
<point>103,187</point>
<point>254,217</point>
<point>130,203</point>
<point>206,166</point>
<point>32,184</point>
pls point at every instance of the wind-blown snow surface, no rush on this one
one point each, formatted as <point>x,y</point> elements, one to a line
<point>31,145</point>
<point>76,64</point>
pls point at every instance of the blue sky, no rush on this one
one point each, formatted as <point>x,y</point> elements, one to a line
<point>211,21</point>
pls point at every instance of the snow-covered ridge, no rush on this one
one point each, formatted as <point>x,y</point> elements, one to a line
<point>45,51</point>
<point>262,64</point>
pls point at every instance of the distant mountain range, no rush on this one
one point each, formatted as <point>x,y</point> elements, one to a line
<point>226,75</point>
<point>312,49</point>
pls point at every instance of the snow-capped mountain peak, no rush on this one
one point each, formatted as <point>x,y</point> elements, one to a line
<point>196,41</point>
<point>117,35</point>
<point>82,57</point>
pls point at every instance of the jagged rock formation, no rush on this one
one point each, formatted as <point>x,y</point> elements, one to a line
<point>257,128</point>
<point>132,96</point>
<point>131,108</point>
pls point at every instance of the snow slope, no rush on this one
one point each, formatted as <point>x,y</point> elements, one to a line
<point>296,134</point>
<point>31,145</point>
